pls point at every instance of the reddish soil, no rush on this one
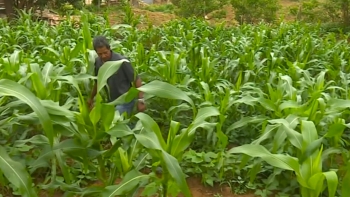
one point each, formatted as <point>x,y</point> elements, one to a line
<point>195,185</point>
<point>198,190</point>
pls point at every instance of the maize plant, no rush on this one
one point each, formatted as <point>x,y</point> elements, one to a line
<point>264,103</point>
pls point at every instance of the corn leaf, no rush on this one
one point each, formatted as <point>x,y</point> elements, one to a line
<point>165,90</point>
<point>151,126</point>
<point>277,160</point>
<point>131,180</point>
<point>11,88</point>
<point>150,141</point>
<point>16,173</point>
<point>345,191</point>
<point>107,70</point>
<point>175,171</point>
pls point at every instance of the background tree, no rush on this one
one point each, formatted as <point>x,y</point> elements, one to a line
<point>251,11</point>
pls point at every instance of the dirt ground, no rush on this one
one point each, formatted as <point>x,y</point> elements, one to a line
<point>196,187</point>
<point>198,190</point>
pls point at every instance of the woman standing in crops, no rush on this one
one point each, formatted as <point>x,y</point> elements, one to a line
<point>121,81</point>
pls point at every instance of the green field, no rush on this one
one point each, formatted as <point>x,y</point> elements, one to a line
<point>262,108</point>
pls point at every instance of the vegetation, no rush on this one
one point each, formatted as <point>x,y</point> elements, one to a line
<point>252,11</point>
<point>198,7</point>
<point>246,11</point>
<point>263,108</point>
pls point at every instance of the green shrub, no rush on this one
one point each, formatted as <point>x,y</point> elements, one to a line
<point>219,14</point>
<point>166,8</point>
<point>197,7</point>
<point>316,11</point>
<point>251,11</point>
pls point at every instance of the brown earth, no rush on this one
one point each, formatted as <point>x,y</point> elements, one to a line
<point>196,187</point>
<point>198,190</point>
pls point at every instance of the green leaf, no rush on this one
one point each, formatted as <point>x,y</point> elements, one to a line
<point>165,90</point>
<point>316,182</point>
<point>310,149</point>
<point>288,105</point>
<point>277,160</point>
<point>107,69</point>
<point>16,173</point>
<point>149,140</point>
<point>120,130</point>
<point>38,86</point>
<point>345,191</point>
<point>128,184</point>
<point>151,126</point>
<point>205,113</point>
<point>95,114</point>
<point>55,109</point>
<point>124,98</point>
<point>308,131</point>
<point>11,88</point>
<point>182,141</point>
<point>173,130</point>
<point>71,147</point>
<point>335,129</point>
<point>245,121</point>
<point>108,116</point>
<point>175,171</point>
<point>332,181</point>
<point>268,132</point>
<point>338,104</point>
<point>294,137</point>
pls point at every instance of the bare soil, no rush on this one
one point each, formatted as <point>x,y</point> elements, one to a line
<point>198,190</point>
<point>195,185</point>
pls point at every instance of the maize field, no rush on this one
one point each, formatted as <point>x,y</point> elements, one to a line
<point>261,108</point>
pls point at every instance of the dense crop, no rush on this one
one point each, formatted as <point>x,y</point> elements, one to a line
<point>278,95</point>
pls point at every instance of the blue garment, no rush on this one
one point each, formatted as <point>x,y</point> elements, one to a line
<point>126,107</point>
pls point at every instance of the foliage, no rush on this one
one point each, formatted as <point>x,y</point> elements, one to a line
<point>166,8</point>
<point>329,11</point>
<point>220,101</point>
<point>197,7</point>
<point>343,7</point>
<point>252,11</point>
<point>314,11</point>
<point>21,4</point>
